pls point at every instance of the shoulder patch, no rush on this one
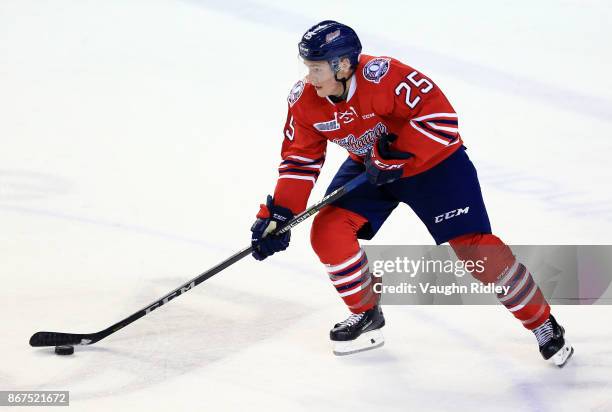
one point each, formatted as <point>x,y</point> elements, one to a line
<point>295,93</point>
<point>376,69</point>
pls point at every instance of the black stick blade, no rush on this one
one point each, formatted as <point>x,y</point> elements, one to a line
<point>59,338</point>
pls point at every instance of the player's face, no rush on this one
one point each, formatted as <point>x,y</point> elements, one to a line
<point>321,76</point>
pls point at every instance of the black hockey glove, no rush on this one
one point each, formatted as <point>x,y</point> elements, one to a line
<point>268,219</point>
<point>384,165</point>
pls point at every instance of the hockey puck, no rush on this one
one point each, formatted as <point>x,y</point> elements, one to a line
<point>64,350</point>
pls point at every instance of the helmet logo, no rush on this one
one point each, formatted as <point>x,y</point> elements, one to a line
<point>316,30</point>
<point>331,36</point>
<point>376,69</point>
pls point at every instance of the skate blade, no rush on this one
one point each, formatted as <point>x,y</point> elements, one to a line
<point>366,341</point>
<point>562,356</point>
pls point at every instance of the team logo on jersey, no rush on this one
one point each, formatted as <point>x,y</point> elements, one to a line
<point>295,93</point>
<point>348,116</point>
<point>362,144</point>
<point>376,69</point>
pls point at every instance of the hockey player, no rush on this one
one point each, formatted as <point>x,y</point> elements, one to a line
<point>400,129</point>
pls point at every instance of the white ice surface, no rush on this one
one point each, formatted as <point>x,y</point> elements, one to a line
<point>138,138</point>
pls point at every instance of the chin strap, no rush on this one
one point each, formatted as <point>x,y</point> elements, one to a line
<point>337,99</point>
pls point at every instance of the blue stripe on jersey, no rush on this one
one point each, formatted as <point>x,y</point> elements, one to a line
<point>302,163</point>
<point>445,121</point>
<point>308,172</point>
<point>440,133</point>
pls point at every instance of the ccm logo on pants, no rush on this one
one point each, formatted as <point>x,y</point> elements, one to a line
<point>452,214</point>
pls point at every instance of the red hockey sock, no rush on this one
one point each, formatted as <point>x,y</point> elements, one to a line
<point>334,240</point>
<point>524,298</point>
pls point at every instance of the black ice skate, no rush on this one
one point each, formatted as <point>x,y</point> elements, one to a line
<point>359,332</point>
<point>552,343</point>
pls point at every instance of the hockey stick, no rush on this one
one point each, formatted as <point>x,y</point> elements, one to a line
<point>60,338</point>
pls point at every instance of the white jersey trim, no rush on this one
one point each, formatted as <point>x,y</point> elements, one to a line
<point>431,136</point>
<point>444,128</point>
<point>305,159</point>
<point>298,177</point>
<point>427,134</point>
<point>308,166</point>
<point>430,116</point>
<point>352,88</point>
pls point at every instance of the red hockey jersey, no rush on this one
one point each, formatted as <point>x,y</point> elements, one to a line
<point>385,96</point>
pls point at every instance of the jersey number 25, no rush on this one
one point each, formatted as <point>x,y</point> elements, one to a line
<point>412,102</point>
